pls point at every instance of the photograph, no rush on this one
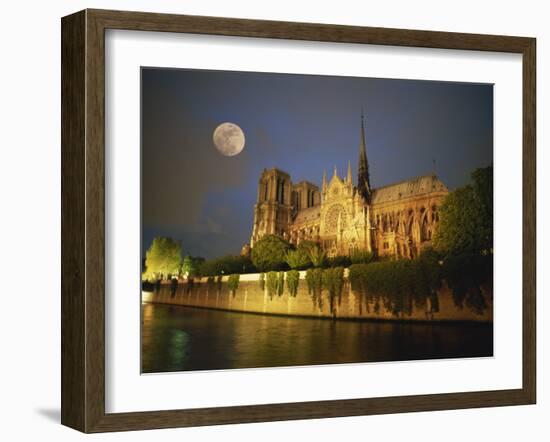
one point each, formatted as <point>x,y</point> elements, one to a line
<point>302,220</point>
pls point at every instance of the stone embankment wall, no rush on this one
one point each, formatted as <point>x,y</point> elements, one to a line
<point>250,297</point>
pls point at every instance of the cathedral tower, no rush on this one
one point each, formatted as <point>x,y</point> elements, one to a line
<point>363,178</point>
<point>273,208</point>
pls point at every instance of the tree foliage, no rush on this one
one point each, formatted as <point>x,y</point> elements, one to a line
<point>272,283</point>
<point>301,256</point>
<point>333,283</point>
<point>398,285</point>
<point>466,217</point>
<point>191,265</point>
<point>269,253</point>
<point>292,282</point>
<point>233,283</point>
<point>317,256</point>
<point>361,257</point>
<point>280,283</point>
<point>298,259</point>
<point>338,261</point>
<point>225,265</point>
<point>390,283</point>
<point>465,275</point>
<point>163,258</point>
<point>314,280</point>
<point>211,282</point>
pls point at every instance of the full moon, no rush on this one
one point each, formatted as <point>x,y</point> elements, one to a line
<point>229,139</point>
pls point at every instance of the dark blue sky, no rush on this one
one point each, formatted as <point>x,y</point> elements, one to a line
<point>301,124</point>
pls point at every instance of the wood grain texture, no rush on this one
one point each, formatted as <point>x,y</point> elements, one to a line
<point>529,221</point>
<point>95,222</point>
<point>73,254</point>
<point>83,220</point>
<point>145,21</point>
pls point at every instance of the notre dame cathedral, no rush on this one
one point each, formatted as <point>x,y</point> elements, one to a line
<point>397,220</point>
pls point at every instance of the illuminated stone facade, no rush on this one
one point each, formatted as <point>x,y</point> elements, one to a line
<point>397,220</point>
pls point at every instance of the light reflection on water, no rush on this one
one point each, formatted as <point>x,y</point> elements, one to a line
<point>176,338</point>
<point>179,345</point>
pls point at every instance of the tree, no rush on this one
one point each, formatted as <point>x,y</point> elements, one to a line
<point>269,253</point>
<point>483,193</point>
<point>297,260</point>
<point>190,265</point>
<point>466,217</point>
<point>300,257</point>
<point>163,258</point>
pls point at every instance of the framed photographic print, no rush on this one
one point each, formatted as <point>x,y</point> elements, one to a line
<point>268,221</point>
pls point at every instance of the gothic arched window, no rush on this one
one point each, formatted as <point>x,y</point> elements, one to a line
<point>424,230</point>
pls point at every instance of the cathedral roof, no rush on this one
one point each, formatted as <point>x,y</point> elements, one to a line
<point>308,215</point>
<point>306,183</point>
<point>409,188</point>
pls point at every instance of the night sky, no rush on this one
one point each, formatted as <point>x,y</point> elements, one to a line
<point>301,124</point>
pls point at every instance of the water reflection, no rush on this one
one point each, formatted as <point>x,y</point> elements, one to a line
<point>176,338</point>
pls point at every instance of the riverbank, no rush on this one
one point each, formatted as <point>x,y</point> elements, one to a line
<point>252,296</point>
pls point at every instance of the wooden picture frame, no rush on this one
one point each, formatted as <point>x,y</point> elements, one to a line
<point>83,220</point>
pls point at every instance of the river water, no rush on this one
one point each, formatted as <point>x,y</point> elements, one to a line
<point>177,338</point>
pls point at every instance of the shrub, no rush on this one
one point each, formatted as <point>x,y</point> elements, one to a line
<point>272,282</point>
<point>211,283</point>
<point>338,261</point>
<point>233,283</point>
<point>314,280</point>
<point>426,277</point>
<point>280,283</point>
<point>298,259</point>
<point>434,302</point>
<point>403,283</point>
<point>361,257</point>
<point>317,256</point>
<point>269,253</point>
<point>292,282</point>
<point>174,286</point>
<point>390,282</point>
<point>358,286</point>
<point>465,274</point>
<point>191,265</point>
<point>190,284</point>
<point>333,283</point>
<point>147,286</point>
<point>226,265</point>
<point>475,301</point>
<point>307,245</point>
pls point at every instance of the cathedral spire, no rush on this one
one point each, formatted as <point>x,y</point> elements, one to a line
<point>335,171</point>
<point>349,179</point>
<point>363,178</point>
